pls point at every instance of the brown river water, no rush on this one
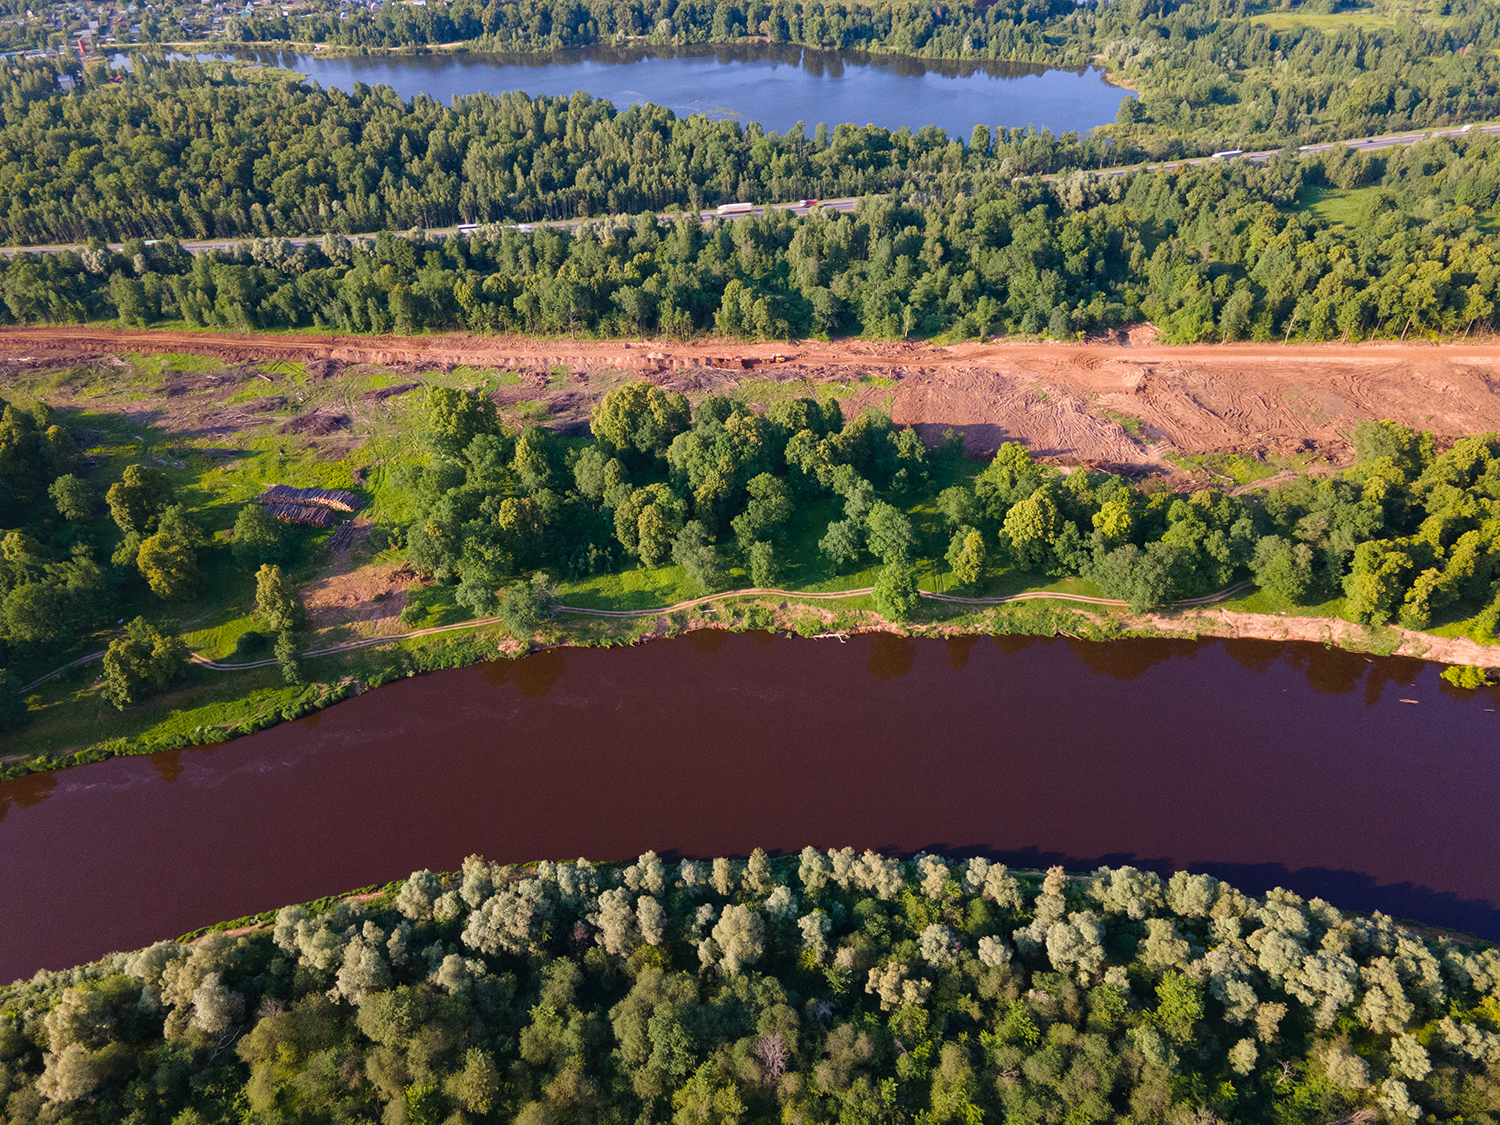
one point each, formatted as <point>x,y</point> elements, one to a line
<point>1262,763</point>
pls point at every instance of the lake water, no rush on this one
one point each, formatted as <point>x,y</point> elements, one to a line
<point>1262,763</point>
<point>776,86</point>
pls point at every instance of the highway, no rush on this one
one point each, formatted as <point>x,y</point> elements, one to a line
<point>1362,144</point>
<point>797,208</point>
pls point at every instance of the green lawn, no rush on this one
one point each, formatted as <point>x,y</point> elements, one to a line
<point>1339,205</point>
<point>1333,22</point>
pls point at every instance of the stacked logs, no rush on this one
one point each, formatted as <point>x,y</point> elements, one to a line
<point>313,507</point>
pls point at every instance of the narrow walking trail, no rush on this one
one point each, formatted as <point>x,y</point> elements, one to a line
<point>691,603</point>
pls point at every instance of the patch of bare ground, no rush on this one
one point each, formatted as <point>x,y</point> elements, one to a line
<point>316,423</point>
<point>1322,630</point>
<point>1063,400</point>
<point>364,598</point>
<point>992,404</point>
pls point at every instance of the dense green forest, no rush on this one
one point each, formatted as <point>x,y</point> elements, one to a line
<point>736,498</point>
<point>955,247</point>
<point>815,988</point>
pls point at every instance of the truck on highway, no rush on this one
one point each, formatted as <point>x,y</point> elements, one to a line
<point>1225,154</point>
<point>734,208</point>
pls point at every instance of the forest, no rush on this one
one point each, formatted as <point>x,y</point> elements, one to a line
<point>954,246</point>
<point>820,987</point>
<point>734,498</point>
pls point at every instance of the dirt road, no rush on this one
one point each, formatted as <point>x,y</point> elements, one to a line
<point>1066,401</point>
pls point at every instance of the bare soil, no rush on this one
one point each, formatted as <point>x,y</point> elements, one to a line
<point>1065,401</point>
<point>318,423</point>
<point>1333,631</point>
<point>366,599</point>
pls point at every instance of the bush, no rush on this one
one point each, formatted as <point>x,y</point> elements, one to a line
<point>259,537</point>
<point>526,606</point>
<point>145,657</point>
<point>277,602</point>
<point>762,565</point>
<point>289,657</point>
<point>13,714</point>
<point>1466,676</point>
<point>896,593</point>
<point>250,642</point>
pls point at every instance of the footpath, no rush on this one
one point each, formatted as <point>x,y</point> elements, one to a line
<point>692,603</point>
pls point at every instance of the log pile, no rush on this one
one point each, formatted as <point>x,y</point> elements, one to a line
<point>342,536</point>
<point>334,498</point>
<point>302,514</point>
<point>312,507</point>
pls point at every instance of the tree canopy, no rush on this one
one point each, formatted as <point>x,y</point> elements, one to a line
<point>824,986</point>
<point>957,246</point>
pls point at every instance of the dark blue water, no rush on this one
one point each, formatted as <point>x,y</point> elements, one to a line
<point>776,86</point>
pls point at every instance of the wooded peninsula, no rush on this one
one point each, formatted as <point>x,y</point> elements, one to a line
<point>822,987</point>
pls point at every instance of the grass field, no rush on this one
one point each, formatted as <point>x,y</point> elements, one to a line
<point>1332,22</point>
<point>1348,206</point>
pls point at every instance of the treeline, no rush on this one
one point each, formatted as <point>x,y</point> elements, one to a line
<point>661,484</point>
<point>1211,71</point>
<point>1032,31</point>
<point>820,987</point>
<point>1211,252</point>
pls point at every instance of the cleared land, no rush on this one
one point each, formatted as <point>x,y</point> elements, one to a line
<point>1128,407</point>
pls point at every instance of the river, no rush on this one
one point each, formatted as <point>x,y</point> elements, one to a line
<point>1265,764</point>
<point>776,86</point>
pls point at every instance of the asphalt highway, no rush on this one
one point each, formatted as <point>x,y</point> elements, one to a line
<point>796,208</point>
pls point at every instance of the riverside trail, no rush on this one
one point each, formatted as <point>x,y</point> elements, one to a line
<point>691,603</point>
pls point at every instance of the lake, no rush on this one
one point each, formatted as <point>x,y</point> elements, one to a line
<point>776,86</point>
<point>1265,764</point>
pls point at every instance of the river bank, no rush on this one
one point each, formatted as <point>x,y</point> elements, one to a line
<point>207,713</point>
<point>643,43</point>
